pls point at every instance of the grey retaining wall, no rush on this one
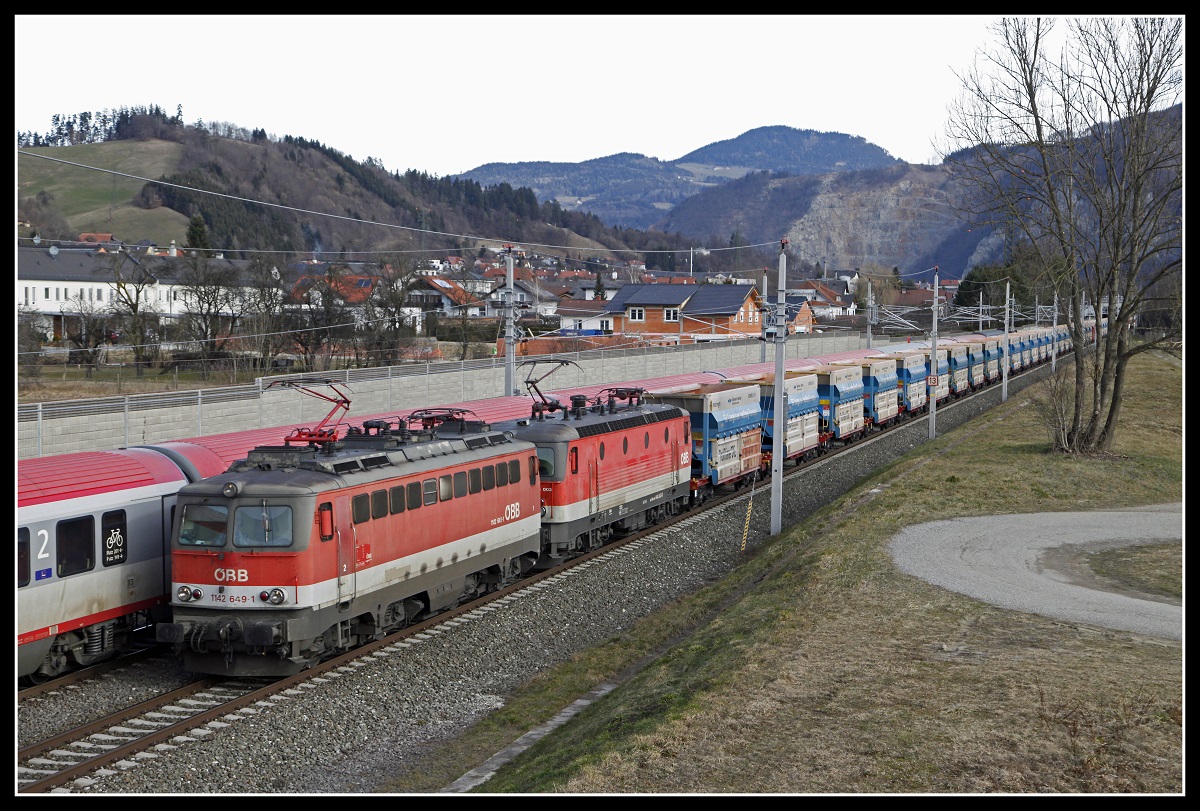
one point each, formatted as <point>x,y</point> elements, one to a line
<point>70,426</point>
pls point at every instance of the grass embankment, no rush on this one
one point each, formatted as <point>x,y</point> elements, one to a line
<point>817,667</point>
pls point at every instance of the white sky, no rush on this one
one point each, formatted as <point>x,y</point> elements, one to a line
<point>445,94</point>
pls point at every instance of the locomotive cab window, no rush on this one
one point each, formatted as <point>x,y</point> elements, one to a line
<point>262,524</point>
<point>75,541</point>
<point>203,525</point>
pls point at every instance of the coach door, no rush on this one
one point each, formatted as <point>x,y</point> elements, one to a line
<point>343,535</point>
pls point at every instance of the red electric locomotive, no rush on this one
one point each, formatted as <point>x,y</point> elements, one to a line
<point>609,465</point>
<point>308,549</point>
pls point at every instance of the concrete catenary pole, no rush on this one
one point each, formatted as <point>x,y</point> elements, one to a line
<point>763,355</point>
<point>510,342</point>
<point>933,362</point>
<point>1054,336</point>
<point>778,450</point>
<point>1004,371</point>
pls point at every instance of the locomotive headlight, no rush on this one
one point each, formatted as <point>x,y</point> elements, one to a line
<point>274,596</point>
<point>229,490</point>
<point>185,594</point>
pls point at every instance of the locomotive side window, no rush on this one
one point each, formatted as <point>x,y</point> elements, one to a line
<point>414,495</point>
<point>647,442</point>
<point>501,474</point>
<point>666,436</point>
<point>460,484</point>
<point>360,508</point>
<point>22,557</point>
<point>533,469</point>
<point>601,450</point>
<point>203,525</point>
<point>379,504</point>
<point>514,471</point>
<point>474,480</point>
<point>397,499</point>
<point>429,491</point>
<point>625,445</point>
<point>489,477</point>
<point>113,532</point>
<point>76,543</point>
<point>573,456</point>
<point>445,487</point>
<point>262,525</point>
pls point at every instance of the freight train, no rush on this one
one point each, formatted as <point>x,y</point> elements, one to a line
<point>257,553</point>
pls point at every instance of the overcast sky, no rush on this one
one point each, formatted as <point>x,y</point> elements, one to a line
<point>445,94</point>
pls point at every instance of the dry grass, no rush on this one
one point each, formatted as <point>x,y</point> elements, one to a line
<point>818,668</point>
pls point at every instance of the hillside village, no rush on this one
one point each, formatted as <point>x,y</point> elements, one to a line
<point>555,309</point>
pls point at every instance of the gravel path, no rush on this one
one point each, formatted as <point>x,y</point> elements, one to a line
<point>1037,563</point>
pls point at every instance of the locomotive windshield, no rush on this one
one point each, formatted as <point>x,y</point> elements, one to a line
<point>550,462</point>
<point>262,524</point>
<point>203,525</point>
<point>258,524</point>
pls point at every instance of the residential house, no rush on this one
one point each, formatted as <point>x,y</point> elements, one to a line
<point>825,300</point>
<point>687,313</point>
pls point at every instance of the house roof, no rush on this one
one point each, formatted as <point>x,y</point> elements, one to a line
<point>652,295</point>
<point>717,299</point>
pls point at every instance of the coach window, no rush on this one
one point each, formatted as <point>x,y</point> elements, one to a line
<point>460,484</point>
<point>474,480</point>
<point>264,524</point>
<point>379,504</point>
<point>514,471</point>
<point>489,477</point>
<point>22,557</point>
<point>203,525</point>
<point>502,474</point>
<point>75,541</point>
<point>360,508</point>
<point>113,532</point>
<point>429,491</point>
<point>414,495</point>
<point>397,499</point>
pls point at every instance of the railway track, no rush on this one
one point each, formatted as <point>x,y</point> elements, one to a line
<point>77,758</point>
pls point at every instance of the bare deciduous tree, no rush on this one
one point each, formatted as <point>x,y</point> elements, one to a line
<point>1078,151</point>
<point>133,305</point>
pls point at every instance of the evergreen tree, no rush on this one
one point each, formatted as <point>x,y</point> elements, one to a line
<point>197,235</point>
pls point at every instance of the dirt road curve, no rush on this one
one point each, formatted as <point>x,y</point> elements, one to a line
<point>1038,563</point>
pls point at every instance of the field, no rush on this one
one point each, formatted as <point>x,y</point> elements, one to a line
<point>106,207</point>
<point>818,668</point>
